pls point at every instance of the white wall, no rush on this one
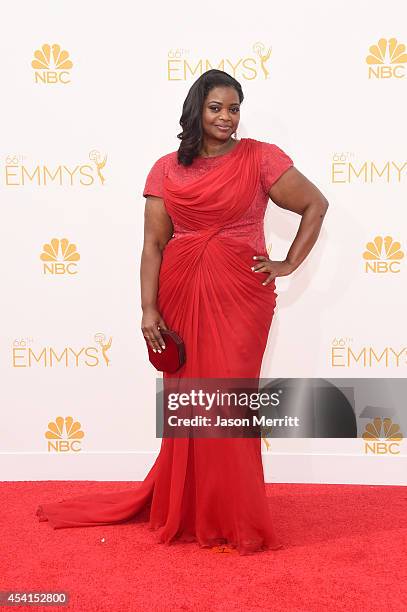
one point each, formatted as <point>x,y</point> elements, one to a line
<point>122,99</point>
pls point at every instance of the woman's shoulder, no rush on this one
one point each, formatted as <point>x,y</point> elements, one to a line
<point>166,160</point>
<point>273,154</point>
<point>269,148</point>
<point>155,177</point>
<point>274,162</point>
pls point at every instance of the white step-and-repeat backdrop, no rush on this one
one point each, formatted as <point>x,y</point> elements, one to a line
<point>91,96</point>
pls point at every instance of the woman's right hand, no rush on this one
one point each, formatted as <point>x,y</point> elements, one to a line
<point>151,324</point>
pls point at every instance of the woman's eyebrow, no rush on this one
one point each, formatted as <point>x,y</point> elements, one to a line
<point>220,103</point>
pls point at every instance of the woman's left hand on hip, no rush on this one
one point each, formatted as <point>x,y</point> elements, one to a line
<point>273,268</point>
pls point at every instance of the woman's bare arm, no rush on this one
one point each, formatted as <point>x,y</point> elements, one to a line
<point>158,229</point>
<point>294,192</point>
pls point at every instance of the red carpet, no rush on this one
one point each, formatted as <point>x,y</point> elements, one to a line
<point>344,549</point>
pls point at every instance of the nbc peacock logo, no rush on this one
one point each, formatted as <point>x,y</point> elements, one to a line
<point>382,437</point>
<point>64,435</point>
<point>383,255</point>
<point>59,256</point>
<point>387,59</point>
<point>51,65</point>
<point>251,65</point>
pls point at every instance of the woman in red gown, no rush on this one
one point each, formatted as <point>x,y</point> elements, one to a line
<point>205,273</point>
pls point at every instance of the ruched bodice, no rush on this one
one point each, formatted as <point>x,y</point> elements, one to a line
<point>249,228</point>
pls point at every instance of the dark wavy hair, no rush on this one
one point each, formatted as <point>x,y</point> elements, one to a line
<point>191,119</point>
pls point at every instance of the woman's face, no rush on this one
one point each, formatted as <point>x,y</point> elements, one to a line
<point>221,113</point>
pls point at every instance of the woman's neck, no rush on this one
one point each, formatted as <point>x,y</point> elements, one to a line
<point>211,149</point>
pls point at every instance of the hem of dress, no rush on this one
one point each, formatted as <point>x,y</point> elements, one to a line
<point>217,542</point>
<point>204,544</point>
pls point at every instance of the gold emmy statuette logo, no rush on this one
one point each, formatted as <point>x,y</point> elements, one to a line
<point>264,57</point>
<point>386,59</point>
<point>266,442</point>
<point>95,156</point>
<point>105,346</point>
<point>51,65</point>
<point>383,255</point>
<point>59,257</point>
<point>64,435</point>
<point>382,437</point>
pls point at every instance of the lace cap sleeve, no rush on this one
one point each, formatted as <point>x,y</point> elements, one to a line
<point>274,163</point>
<point>154,182</point>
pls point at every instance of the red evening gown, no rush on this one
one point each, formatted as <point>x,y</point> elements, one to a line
<point>208,490</point>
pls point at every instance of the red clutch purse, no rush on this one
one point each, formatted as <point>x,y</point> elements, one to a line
<point>172,357</point>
